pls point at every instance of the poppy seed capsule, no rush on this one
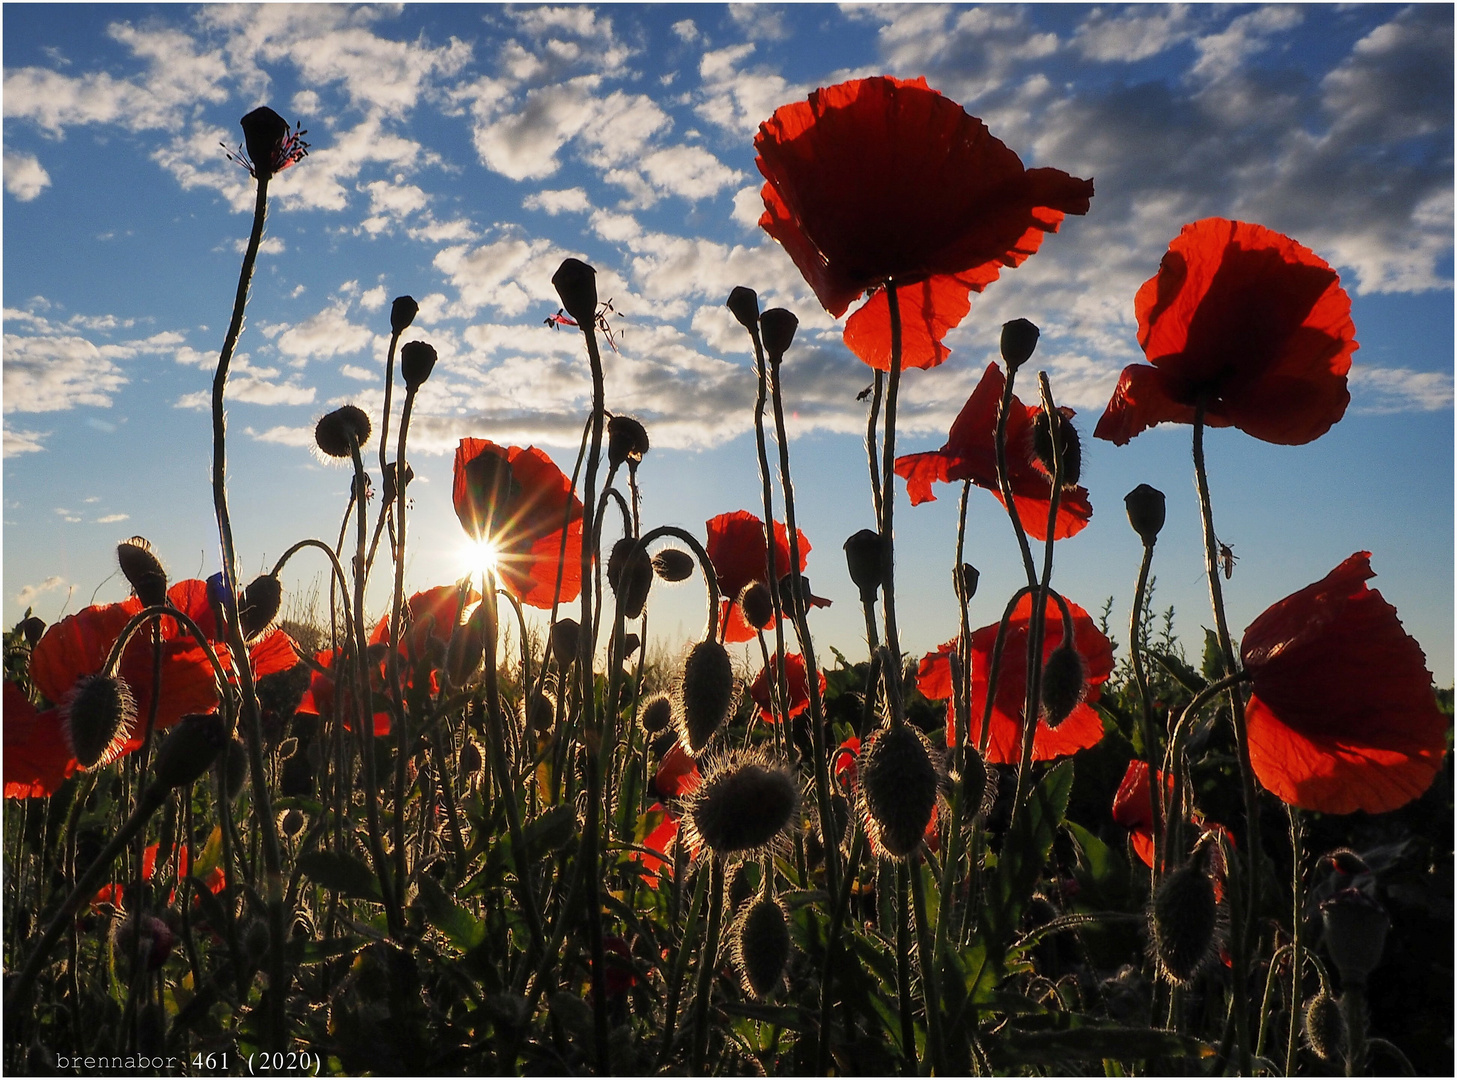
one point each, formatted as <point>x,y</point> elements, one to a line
<point>33,628</point>
<point>1182,922</point>
<point>402,313</point>
<point>263,134</point>
<point>673,564</point>
<point>1069,449</point>
<point>743,805</point>
<point>762,945</point>
<point>143,571</point>
<point>1064,682</point>
<point>292,822</point>
<point>743,302</point>
<point>99,719</point>
<point>189,750</point>
<point>757,605</point>
<point>864,555</point>
<point>1355,934</point>
<point>657,714</point>
<point>777,325</point>
<point>337,432</point>
<point>471,758</point>
<point>969,577</point>
<point>576,283</point>
<point>259,605</point>
<point>417,361</point>
<point>1019,342</point>
<point>705,694</point>
<point>630,573</point>
<point>1325,1027</point>
<point>898,781</point>
<point>627,440</point>
<point>564,641</point>
<point>1145,512</point>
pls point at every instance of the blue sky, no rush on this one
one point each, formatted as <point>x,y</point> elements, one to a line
<point>460,152</point>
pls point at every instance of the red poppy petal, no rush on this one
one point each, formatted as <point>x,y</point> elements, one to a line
<point>928,310</point>
<point>1073,513</point>
<point>37,757</point>
<point>1141,400</point>
<point>77,645</point>
<point>933,673</point>
<point>190,598</point>
<point>272,653</point>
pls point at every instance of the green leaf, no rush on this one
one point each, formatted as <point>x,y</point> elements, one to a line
<point>783,1015</point>
<point>550,830</point>
<point>463,929</point>
<point>343,873</point>
<point>1096,1043</point>
<point>1213,662</point>
<point>1025,849</point>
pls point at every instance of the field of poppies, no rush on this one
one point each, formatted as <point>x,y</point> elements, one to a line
<point>390,843</point>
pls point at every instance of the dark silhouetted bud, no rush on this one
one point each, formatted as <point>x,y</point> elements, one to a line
<point>576,284</point>
<point>1355,934</point>
<point>264,132</point>
<point>630,573</point>
<point>146,936</point>
<point>705,694</point>
<point>674,564</point>
<point>743,805</point>
<point>235,768</point>
<point>970,577</point>
<point>402,313</point>
<point>777,325</point>
<point>143,571</point>
<point>564,641</point>
<point>627,440</point>
<point>1068,446</point>
<point>33,628</point>
<point>259,605</point>
<point>1019,342</point>
<point>657,714</point>
<point>762,946</point>
<point>417,361</point>
<point>98,719</point>
<point>976,785</point>
<point>1145,512</point>
<point>744,303</point>
<point>472,760</point>
<point>897,783</point>
<point>390,494</point>
<point>467,647</point>
<point>540,712</point>
<point>1183,922</point>
<point>864,554</point>
<point>630,644</point>
<point>1325,1027</point>
<point>786,594</point>
<point>756,605</point>
<point>291,822</point>
<point>189,750</point>
<point>1064,682</point>
<point>337,431</point>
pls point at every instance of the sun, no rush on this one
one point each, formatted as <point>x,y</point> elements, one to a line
<point>481,557</point>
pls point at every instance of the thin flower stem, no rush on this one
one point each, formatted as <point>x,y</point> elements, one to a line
<point>1004,482</point>
<point>1151,753</point>
<point>871,448</point>
<point>926,956</point>
<point>832,941</point>
<point>707,968</point>
<point>887,500</point>
<point>1297,919</point>
<point>403,742</point>
<point>903,969</point>
<point>961,689</point>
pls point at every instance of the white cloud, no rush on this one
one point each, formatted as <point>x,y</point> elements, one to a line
<point>686,30</point>
<point>24,176</point>
<point>508,274</point>
<point>761,22</point>
<point>1397,390</point>
<point>52,374</point>
<point>19,442</point>
<point>30,592</point>
<point>111,519</point>
<point>569,200</point>
<point>1133,34</point>
<point>270,245</point>
<point>1222,53</point>
<point>284,436</point>
<point>372,299</point>
<point>690,172</point>
<point>326,334</point>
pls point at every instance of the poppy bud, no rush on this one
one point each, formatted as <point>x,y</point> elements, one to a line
<point>564,641</point>
<point>757,605</point>
<point>786,593</point>
<point>762,946</point>
<point>969,576</point>
<point>1182,922</point>
<point>1325,1027</point>
<point>143,571</point>
<point>630,644</point>
<point>976,785</point>
<point>742,805</point>
<point>292,822</point>
<point>417,360</point>
<point>1145,512</point>
<point>390,468</point>
<point>1069,449</point>
<point>155,944</point>
<point>576,284</point>
<point>33,628</point>
<point>744,303</point>
<point>656,714</point>
<point>778,326</point>
<point>263,134</point>
<point>1355,934</point>
<point>1064,681</point>
<point>467,646</point>
<point>338,431</point>
<point>491,493</point>
<point>471,758</point>
<point>898,781</point>
<point>235,769</point>
<point>189,750</point>
<point>864,554</point>
<point>99,719</point>
<point>259,605</point>
<point>1019,342</point>
<point>674,564</point>
<point>630,573</point>
<point>402,313</point>
<point>540,712</point>
<point>627,440</point>
<point>705,694</point>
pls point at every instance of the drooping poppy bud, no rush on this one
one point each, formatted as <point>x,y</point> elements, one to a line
<point>491,490</point>
<point>189,750</point>
<point>978,787</point>
<point>744,303</point>
<point>777,325</point>
<point>235,768</point>
<point>564,641</point>
<point>143,571</point>
<point>263,134</point>
<point>1183,921</point>
<point>1325,1027</point>
<point>630,574</point>
<point>627,440</point>
<point>757,605</point>
<point>762,946</point>
<point>1060,431</point>
<point>1145,512</point>
<point>98,719</point>
<point>417,360</point>
<point>338,431</point>
<point>576,283</point>
<point>259,605</point>
<point>1355,934</point>
<point>705,694</point>
<point>1019,342</point>
<point>969,577</point>
<point>402,313</point>
<point>743,805</point>
<point>864,554</point>
<point>467,646</point>
<point>657,714</point>
<point>472,760</point>
<point>1064,682</point>
<point>674,564</point>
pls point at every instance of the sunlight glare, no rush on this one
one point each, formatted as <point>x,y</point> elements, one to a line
<point>481,557</point>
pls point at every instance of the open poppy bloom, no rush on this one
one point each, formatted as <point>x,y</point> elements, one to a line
<point>1246,321</point>
<point>740,555</point>
<point>970,453</point>
<point>517,501</point>
<point>798,680</point>
<point>677,773</point>
<point>885,180</point>
<point>318,699</point>
<point>37,756</point>
<point>1081,729</point>
<point>430,615</point>
<point>846,763</point>
<point>1343,716</point>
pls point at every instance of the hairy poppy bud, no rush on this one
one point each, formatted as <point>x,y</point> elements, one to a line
<point>627,440</point>
<point>540,712</point>
<point>756,605</point>
<point>1145,512</point>
<point>1069,449</point>
<point>1183,920</point>
<point>1355,934</point>
<point>705,694</point>
<point>1064,681</point>
<point>978,787</point>
<point>743,805</point>
<point>778,326</point>
<point>417,361</point>
<point>33,628</point>
<point>98,719</point>
<point>968,577</point>
<point>189,750</point>
<point>291,822</point>
<point>564,641</point>
<point>402,313</point>
<point>263,134</point>
<point>630,573</point>
<point>744,303</point>
<point>1325,1027</point>
<point>898,781</point>
<point>143,571</point>
<point>1019,342</point>
<point>656,714</point>
<point>259,605</point>
<point>338,431</point>
<point>864,554</point>
<point>674,564</point>
<point>762,946</point>
<point>471,758</point>
<point>575,282</point>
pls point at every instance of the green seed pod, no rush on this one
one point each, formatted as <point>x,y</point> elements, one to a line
<point>898,784</point>
<point>259,605</point>
<point>189,750</point>
<point>864,555</point>
<point>761,946</point>
<point>673,564</point>
<point>1146,512</point>
<point>1064,683</point>
<point>744,303</point>
<point>337,431</point>
<point>777,325</point>
<point>1019,342</point>
<point>402,313</point>
<point>627,440</point>
<point>576,284</point>
<point>1183,922</point>
<point>98,719</point>
<point>34,629</point>
<point>1325,1027</point>
<point>744,804</point>
<point>143,571</point>
<point>705,695</point>
<point>417,361</point>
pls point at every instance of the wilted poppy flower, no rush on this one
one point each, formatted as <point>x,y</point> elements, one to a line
<point>1082,727</point>
<point>794,672</point>
<point>881,179</point>
<point>1343,716</point>
<point>516,500</point>
<point>37,756</point>
<point>739,554</point>
<point>970,453</point>
<point>1246,321</point>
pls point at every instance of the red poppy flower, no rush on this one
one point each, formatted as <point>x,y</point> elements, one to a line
<point>847,763</point>
<point>798,686</point>
<point>517,500</point>
<point>430,615</point>
<point>970,453</point>
<point>1343,716</point>
<point>1250,323</point>
<point>215,881</point>
<point>1081,729</point>
<point>739,554</point>
<point>881,179</point>
<point>37,757</point>
<point>659,839</point>
<point>677,773</point>
<point>318,699</point>
<point>1133,807</point>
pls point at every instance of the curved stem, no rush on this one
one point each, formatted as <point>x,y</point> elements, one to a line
<point>871,449</point>
<point>1004,482</point>
<point>339,578</point>
<point>403,743</point>
<point>1151,753</point>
